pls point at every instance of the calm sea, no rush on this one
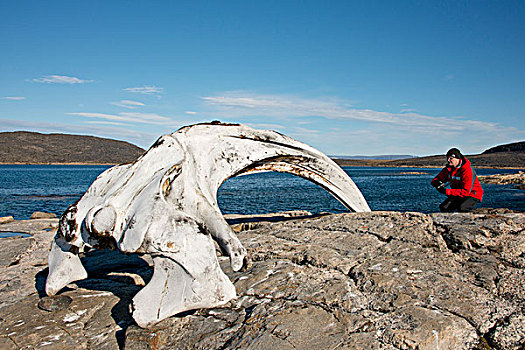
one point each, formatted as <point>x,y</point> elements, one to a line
<point>25,189</point>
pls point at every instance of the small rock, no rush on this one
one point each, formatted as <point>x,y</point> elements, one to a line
<point>42,215</point>
<point>54,303</point>
<point>6,219</point>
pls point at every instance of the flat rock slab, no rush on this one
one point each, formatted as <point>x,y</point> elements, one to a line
<point>380,280</point>
<point>11,248</point>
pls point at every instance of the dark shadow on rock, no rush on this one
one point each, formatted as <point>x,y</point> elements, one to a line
<point>40,282</point>
<point>116,272</point>
<point>276,218</point>
<point>123,275</point>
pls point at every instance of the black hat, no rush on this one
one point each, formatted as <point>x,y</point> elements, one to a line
<point>454,152</point>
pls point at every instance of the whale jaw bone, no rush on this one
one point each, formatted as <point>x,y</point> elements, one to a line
<point>319,171</point>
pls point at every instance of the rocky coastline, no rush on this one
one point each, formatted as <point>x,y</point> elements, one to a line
<point>380,280</point>
<point>518,180</point>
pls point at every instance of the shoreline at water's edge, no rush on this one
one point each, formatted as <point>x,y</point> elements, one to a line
<point>426,166</point>
<point>72,163</point>
<point>335,160</point>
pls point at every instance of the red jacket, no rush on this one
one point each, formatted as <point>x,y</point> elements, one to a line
<point>462,183</point>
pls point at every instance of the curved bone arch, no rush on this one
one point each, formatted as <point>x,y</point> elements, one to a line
<point>165,204</point>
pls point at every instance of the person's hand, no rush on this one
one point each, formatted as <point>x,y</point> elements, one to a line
<point>436,183</point>
<point>439,185</point>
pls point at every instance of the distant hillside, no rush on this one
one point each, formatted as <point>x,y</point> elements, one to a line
<point>505,156</point>
<point>380,157</point>
<point>490,160</point>
<point>511,147</point>
<point>22,147</point>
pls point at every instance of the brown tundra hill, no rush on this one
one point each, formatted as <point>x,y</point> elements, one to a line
<point>22,147</point>
<point>510,156</point>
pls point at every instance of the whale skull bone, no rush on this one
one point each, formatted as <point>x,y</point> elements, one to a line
<point>165,204</point>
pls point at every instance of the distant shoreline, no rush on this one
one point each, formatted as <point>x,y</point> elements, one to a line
<point>428,166</point>
<point>413,163</point>
<point>72,163</point>
<point>341,164</point>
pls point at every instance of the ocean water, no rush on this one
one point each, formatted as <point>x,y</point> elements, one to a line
<point>25,189</point>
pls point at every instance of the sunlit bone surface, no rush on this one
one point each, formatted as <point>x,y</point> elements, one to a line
<point>165,204</point>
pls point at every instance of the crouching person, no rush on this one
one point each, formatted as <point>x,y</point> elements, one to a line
<point>465,191</point>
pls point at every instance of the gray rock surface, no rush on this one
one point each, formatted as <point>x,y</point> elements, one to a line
<point>380,280</point>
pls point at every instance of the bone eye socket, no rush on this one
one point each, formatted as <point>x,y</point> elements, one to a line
<point>104,220</point>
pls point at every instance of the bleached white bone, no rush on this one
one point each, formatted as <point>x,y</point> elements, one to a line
<point>165,204</point>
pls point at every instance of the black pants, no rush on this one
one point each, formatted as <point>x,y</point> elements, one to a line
<point>460,204</point>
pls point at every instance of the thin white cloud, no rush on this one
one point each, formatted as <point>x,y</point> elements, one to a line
<point>303,131</point>
<point>383,139</point>
<point>405,107</point>
<point>13,98</point>
<point>241,104</point>
<point>60,79</point>
<point>190,112</point>
<point>148,117</point>
<point>145,118</point>
<point>103,122</point>
<point>128,104</point>
<point>266,126</point>
<point>146,90</point>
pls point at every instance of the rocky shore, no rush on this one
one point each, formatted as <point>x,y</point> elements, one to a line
<point>380,280</point>
<point>505,179</point>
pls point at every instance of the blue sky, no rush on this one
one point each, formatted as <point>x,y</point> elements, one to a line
<point>347,77</point>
